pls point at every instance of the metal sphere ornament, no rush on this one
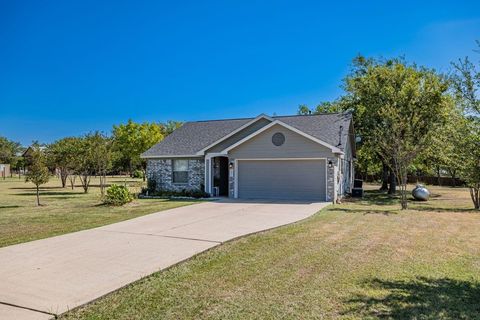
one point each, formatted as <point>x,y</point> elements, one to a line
<point>421,193</point>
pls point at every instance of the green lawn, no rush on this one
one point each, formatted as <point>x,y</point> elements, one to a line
<point>64,210</point>
<point>359,260</point>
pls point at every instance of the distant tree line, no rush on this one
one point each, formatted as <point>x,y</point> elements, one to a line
<point>413,120</point>
<point>93,154</point>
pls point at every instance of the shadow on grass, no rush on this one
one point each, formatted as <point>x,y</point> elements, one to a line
<point>365,211</point>
<point>436,209</point>
<point>48,193</point>
<point>376,197</point>
<point>422,298</point>
<point>8,207</point>
<point>34,188</point>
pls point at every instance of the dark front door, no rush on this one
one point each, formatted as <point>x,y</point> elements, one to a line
<point>220,175</point>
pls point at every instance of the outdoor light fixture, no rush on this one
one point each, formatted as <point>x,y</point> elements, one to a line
<point>230,165</point>
<point>330,164</point>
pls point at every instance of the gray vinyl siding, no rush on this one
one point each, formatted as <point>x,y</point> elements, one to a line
<point>239,135</point>
<point>295,146</point>
<point>282,179</point>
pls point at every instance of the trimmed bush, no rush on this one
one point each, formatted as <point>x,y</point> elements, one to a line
<point>151,185</point>
<point>194,193</point>
<point>137,174</point>
<point>117,195</point>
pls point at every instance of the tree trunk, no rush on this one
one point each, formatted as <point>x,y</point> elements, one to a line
<point>404,201</point>
<point>438,176</point>
<point>393,183</point>
<point>475,194</point>
<point>103,179</point>
<point>38,196</point>
<point>63,177</point>
<point>384,186</point>
<point>72,179</point>
<point>454,178</point>
<point>85,180</point>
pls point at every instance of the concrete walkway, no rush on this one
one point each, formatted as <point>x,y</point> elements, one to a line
<point>48,277</point>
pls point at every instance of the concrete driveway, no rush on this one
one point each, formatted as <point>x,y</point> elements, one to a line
<point>48,277</point>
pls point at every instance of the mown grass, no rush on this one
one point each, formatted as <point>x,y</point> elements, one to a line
<point>64,210</point>
<point>363,259</point>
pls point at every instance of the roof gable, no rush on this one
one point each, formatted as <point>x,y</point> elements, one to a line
<point>289,127</point>
<point>231,136</point>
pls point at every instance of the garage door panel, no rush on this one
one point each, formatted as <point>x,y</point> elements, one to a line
<point>282,179</point>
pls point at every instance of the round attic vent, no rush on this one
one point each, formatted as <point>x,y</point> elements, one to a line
<point>278,139</point>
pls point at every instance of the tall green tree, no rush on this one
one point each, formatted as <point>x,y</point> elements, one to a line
<point>400,106</point>
<point>323,107</point>
<point>61,156</point>
<point>93,158</point>
<point>8,150</point>
<point>130,140</point>
<point>442,151</point>
<point>170,126</point>
<point>467,88</point>
<point>84,165</point>
<point>466,79</point>
<point>102,158</point>
<point>470,159</point>
<point>38,172</point>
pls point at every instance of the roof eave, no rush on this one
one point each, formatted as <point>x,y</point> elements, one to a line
<point>163,156</point>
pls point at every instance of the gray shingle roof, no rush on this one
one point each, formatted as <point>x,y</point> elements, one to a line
<point>325,127</point>
<point>194,136</point>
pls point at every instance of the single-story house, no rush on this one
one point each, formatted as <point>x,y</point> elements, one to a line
<point>301,157</point>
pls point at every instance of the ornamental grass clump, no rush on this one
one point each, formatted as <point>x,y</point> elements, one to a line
<point>117,196</point>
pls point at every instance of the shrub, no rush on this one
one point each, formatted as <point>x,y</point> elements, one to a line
<point>117,195</point>
<point>151,185</point>
<point>195,193</point>
<point>137,174</point>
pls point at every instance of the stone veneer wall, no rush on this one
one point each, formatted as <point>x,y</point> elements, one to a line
<point>331,179</point>
<point>231,179</point>
<point>160,170</point>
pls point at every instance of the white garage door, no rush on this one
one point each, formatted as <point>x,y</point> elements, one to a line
<point>282,179</point>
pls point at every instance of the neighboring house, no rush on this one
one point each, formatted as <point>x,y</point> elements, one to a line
<point>4,170</point>
<point>282,157</point>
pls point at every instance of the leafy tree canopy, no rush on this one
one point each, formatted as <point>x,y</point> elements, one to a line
<point>8,150</point>
<point>396,108</point>
<point>130,140</point>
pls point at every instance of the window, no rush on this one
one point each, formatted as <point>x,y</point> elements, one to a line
<point>278,139</point>
<point>180,171</point>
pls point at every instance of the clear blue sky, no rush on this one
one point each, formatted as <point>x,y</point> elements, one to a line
<point>69,67</point>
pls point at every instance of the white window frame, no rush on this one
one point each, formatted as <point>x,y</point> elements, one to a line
<point>173,171</point>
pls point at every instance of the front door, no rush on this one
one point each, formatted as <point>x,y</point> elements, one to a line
<point>220,175</point>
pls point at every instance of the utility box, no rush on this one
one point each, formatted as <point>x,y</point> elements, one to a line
<point>357,190</point>
<point>357,193</point>
<point>357,183</point>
